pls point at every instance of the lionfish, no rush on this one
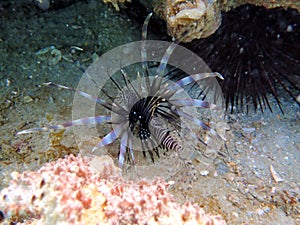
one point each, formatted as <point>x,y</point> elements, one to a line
<point>152,115</point>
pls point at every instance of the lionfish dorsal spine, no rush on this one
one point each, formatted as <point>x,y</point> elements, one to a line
<point>144,52</point>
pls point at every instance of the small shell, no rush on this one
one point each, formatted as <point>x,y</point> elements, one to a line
<point>55,57</point>
<point>74,49</point>
<point>14,175</point>
<point>7,82</point>
<point>51,54</point>
<point>27,99</point>
<point>275,175</point>
<point>204,173</point>
<point>45,50</point>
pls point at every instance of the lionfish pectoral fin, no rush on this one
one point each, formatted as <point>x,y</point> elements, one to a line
<point>110,137</point>
<point>193,135</point>
<point>84,94</point>
<point>218,75</point>
<point>123,148</point>
<point>197,77</point>
<point>32,130</point>
<point>165,59</point>
<point>129,142</point>
<point>199,123</point>
<point>83,121</point>
<point>190,102</point>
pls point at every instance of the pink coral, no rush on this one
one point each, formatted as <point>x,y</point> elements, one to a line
<point>69,191</point>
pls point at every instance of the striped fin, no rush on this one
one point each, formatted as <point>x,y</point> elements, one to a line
<point>128,82</point>
<point>161,68</point>
<point>163,63</point>
<point>83,121</point>
<point>197,77</point>
<point>190,102</point>
<point>149,145</point>
<point>144,52</point>
<point>168,53</point>
<point>166,91</point>
<point>156,84</point>
<point>110,137</point>
<point>84,94</point>
<point>199,123</point>
<point>123,147</point>
<point>131,149</point>
<point>111,106</point>
<point>167,140</point>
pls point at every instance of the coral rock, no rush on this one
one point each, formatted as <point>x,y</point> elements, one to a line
<point>189,20</point>
<point>200,18</point>
<point>68,191</point>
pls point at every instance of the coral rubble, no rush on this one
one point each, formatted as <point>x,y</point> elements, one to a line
<point>81,190</point>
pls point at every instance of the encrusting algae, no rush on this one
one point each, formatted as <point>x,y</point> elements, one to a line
<point>75,190</point>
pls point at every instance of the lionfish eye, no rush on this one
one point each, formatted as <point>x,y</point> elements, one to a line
<point>142,110</point>
<point>133,116</point>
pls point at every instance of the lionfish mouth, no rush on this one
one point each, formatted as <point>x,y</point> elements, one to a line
<point>155,120</point>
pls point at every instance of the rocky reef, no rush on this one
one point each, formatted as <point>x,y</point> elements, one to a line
<point>189,20</point>
<point>199,18</point>
<point>83,190</point>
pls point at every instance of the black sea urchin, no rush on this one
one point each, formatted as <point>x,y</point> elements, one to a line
<point>257,50</point>
<point>147,113</point>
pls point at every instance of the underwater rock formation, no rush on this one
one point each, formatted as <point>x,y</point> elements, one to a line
<point>202,18</point>
<point>81,190</point>
<point>192,20</point>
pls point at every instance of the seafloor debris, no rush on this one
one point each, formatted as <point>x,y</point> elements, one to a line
<point>68,191</point>
<point>277,178</point>
<point>50,54</point>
